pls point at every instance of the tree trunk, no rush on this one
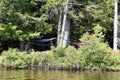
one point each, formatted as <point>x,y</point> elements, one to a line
<point>64,38</point>
<point>115,25</point>
<point>59,28</point>
<point>22,46</point>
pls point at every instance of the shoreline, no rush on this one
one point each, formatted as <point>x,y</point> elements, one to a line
<point>60,59</point>
<point>61,68</point>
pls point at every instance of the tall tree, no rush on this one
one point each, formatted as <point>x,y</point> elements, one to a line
<point>23,20</point>
<point>65,29</point>
<point>87,14</point>
<point>29,19</point>
<point>115,25</point>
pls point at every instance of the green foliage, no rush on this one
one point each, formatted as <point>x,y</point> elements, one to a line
<point>9,31</point>
<point>112,61</point>
<point>13,58</point>
<point>84,57</point>
<point>59,52</point>
<point>27,19</point>
<point>33,59</point>
<point>19,17</point>
<point>72,58</point>
<point>89,14</point>
<point>36,18</point>
<point>67,57</point>
<point>96,37</point>
<point>39,59</point>
<point>95,54</point>
<point>51,4</point>
<point>95,51</point>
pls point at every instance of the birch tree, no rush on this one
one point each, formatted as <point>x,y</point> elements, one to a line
<point>115,25</point>
<point>64,36</point>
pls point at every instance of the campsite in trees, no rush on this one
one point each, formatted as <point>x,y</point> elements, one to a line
<point>60,34</point>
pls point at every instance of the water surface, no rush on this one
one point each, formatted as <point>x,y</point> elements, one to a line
<point>56,75</point>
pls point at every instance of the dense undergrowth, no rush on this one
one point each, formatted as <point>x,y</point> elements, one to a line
<point>96,54</point>
<point>66,58</point>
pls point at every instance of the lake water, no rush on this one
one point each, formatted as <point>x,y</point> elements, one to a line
<point>56,75</point>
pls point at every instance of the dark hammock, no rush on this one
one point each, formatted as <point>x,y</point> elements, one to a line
<point>41,44</point>
<point>44,42</point>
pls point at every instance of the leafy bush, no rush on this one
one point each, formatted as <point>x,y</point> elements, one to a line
<point>33,59</point>
<point>16,59</point>
<point>112,61</point>
<point>59,52</point>
<point>67,57</point>
<point>98,55</point>
<point>95,51</point>
<point>39,58</point>
<point>13,58</point>
<point>72,58</point>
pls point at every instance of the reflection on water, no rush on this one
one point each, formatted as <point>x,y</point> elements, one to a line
<point>56,75</point>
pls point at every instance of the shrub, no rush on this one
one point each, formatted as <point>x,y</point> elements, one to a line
<point>39,58</point>
<point>72,58</point>
<point>93,54</point>
<point>67,57</point>
<point>16,59</point>
<point>112,61</point>
<point>59,52</point>
<point>13,58</point>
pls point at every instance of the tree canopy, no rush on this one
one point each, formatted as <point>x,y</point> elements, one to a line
<point>28,19</point>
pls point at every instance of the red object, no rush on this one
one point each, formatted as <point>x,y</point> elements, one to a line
<point>78,44</point>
